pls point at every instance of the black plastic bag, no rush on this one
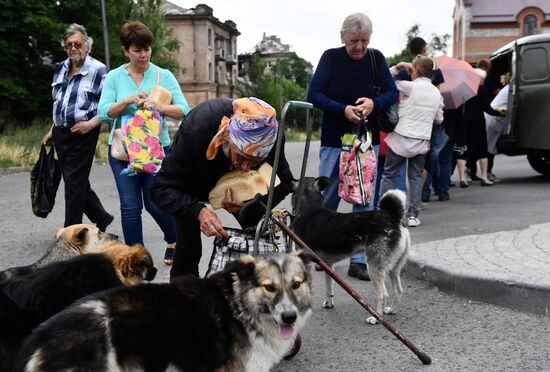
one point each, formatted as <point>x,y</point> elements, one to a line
<point>386,118</point>
<point>45,178</point>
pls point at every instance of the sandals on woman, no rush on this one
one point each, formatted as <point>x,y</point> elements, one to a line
<point>169,254</point>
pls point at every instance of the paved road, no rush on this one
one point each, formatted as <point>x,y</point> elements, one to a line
<point>459,334</point>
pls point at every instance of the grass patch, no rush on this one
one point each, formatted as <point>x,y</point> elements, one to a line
<point>20,146</point>
<point>295,135</point>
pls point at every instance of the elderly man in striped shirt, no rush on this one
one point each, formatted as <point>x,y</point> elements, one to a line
<point>76,89</point>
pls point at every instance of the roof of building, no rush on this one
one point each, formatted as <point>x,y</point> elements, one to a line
<point>489,11</point>
<point>271,45</point>
<point>171,10</point>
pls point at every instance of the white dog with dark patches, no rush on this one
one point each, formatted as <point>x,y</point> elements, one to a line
<point>244,318</point>
<point>379,234</point>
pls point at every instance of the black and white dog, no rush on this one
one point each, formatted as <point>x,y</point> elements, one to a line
<point>243,318</point>
<point>380,234</point>
<point>27,300</point>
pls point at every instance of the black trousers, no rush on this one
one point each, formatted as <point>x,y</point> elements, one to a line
<point>188,248</point>
<point>76,154</point>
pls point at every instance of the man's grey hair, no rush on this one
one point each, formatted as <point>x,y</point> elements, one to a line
<point>356,22</point>
<point>74,28</point>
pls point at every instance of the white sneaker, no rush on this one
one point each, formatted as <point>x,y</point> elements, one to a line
<point>414,221</point>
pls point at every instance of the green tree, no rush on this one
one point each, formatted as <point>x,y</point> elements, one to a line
<point>284,81</point>
<point>437,43</point>
<point>30,36</point>
<point>29,39</point>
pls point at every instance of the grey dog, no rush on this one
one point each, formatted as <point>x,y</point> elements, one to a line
<point>380,234</point>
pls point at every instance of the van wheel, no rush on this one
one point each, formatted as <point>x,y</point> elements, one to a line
<point>540,162</point>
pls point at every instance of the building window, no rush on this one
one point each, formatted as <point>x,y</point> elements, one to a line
<point>210,38</point>
<point>529,25</point>
<point>210,71</point>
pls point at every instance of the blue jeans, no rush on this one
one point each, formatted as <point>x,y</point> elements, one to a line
<point>134,193</point>
<point>441,181</point>
<point>392,168</point>
<point>328,166</point>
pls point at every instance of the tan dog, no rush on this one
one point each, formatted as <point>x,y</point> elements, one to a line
<point>133,264</point>
<point>70,241</point>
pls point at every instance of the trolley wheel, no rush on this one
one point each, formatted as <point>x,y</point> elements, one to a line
<point>295,348</point>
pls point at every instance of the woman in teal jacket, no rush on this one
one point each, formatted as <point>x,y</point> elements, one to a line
<point>125,90</point>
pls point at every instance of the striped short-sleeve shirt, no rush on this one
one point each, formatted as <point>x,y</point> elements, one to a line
<point>77,99</point>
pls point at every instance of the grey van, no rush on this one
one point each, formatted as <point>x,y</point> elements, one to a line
<point>527,60</point>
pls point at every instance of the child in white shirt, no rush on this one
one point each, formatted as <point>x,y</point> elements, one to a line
<point>420,105</point>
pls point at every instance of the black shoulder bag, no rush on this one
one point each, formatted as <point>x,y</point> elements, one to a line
<point>386,118</point>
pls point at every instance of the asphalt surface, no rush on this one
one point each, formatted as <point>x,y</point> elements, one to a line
<point>483,265</point>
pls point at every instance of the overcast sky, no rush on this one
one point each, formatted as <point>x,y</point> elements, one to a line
<point>312,26</point>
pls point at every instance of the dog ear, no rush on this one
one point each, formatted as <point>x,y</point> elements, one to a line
<point>244,267</point>
<point>80,234</point>
<point>58,232</point>
<point>321,183</point>
<point>304,256</point>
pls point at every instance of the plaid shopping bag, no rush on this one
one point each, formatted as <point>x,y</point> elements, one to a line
<point>241,243</point>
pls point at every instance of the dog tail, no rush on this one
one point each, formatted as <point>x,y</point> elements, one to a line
<point>395,203</point>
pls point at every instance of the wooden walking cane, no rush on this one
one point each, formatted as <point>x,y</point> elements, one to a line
<point>424,358</point>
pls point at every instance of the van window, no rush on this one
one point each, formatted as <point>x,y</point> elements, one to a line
<point>533,64</point>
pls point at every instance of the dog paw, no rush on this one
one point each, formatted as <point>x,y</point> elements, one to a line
<point>389,310</point>
<point>328,304</point>
<point>371,320</point>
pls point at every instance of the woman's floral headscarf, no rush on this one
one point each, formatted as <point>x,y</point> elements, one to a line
<point>252,128</point>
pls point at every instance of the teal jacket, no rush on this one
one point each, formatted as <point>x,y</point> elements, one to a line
<point>118,85</point>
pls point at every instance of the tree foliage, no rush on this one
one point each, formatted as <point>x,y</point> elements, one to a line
<point>436,44</point>
<point>30,38</point>
<point>285,80</point>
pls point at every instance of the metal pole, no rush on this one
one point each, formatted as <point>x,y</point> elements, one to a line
<point>105,35</point>
<point>281,91</point>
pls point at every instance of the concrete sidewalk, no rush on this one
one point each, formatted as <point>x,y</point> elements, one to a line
<point>509,268</point>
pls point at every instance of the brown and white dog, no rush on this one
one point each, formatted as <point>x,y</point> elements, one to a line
<point>29,299</point>
<point>69,242</point>
<point>243,318</point>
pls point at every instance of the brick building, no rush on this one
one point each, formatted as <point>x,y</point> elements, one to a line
<point>483,26</point>
<point>208,52</point>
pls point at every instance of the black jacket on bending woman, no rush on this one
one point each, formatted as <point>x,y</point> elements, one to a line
<point>186,177</point>
<point>474,120</point>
